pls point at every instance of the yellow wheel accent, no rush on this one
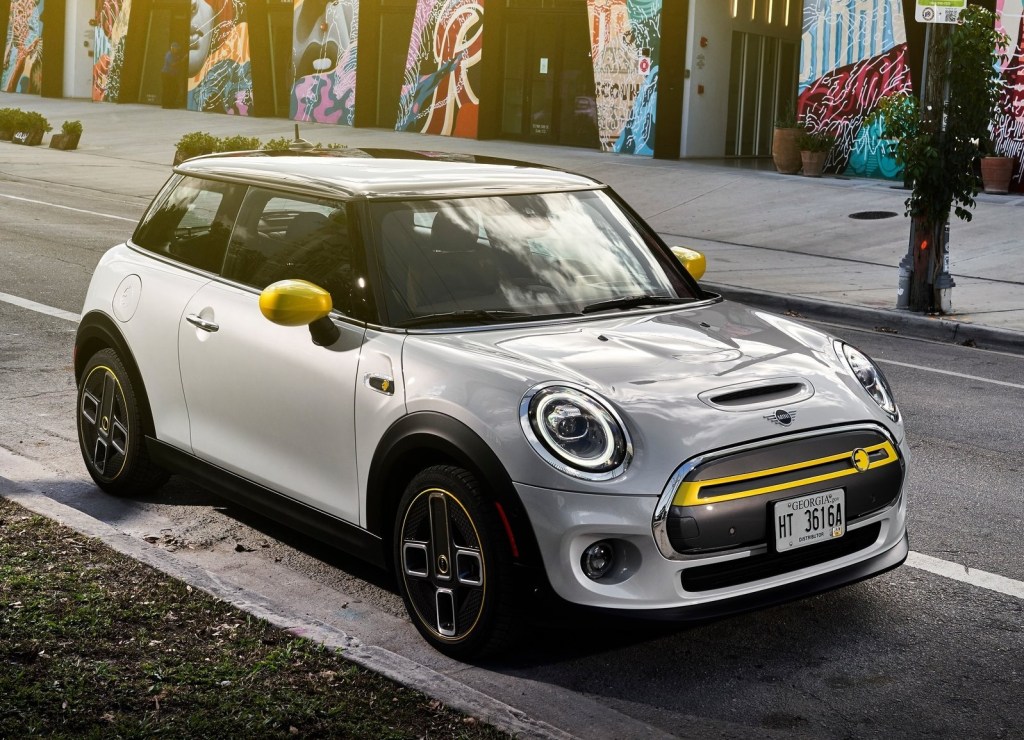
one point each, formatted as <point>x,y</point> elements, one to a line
<point>103,422</point>
<point>442,565</point>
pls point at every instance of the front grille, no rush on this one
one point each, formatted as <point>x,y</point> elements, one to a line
<point>757,567</point>
<point>724,502</point>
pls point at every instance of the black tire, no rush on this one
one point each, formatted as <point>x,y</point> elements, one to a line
<point>454,564</point>
<point>110,429</point>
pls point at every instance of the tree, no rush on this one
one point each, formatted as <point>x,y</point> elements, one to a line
<point>939,144</point>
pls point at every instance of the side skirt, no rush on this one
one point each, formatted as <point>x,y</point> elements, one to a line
<point>330,530</point>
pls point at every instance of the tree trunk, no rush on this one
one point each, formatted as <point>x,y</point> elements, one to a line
<point>927,231</point>
<point>927,247</point>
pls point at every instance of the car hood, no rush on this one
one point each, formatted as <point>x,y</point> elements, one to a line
<point>685,381</point>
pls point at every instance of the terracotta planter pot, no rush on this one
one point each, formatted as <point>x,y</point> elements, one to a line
<point>996,173</point>
<point>785,152</point>
<point>813,163</point>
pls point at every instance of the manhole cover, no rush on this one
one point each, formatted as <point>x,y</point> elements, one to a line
<point>873,215</point>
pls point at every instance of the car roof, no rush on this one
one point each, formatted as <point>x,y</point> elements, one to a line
<point>385,173</point>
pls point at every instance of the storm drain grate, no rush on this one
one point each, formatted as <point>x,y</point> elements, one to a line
<point>873,215</point>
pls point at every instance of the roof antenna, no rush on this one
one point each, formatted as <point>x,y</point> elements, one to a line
<point>299,144</point>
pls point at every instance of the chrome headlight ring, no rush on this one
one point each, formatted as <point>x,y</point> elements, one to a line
<point>870,377</point>
<point>575,431</point>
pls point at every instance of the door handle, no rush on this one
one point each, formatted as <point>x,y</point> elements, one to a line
<point>203,324</point>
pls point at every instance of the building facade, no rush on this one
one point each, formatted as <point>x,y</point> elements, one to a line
<point>665,78</point>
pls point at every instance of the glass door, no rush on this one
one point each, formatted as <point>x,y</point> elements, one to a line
<point>763,68</point>
<point>548,82</point>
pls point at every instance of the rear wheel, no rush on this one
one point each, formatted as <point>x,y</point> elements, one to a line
<point>454,564</point>
<point>110,429</point>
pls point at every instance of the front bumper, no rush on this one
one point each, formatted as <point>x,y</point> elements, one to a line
<point>699,584</point>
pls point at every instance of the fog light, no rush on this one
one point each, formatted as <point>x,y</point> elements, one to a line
<point>597,560</point>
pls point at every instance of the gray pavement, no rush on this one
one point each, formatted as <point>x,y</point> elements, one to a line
<point>783,242</point>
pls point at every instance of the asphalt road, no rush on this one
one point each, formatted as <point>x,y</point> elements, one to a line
<point>910,654</point>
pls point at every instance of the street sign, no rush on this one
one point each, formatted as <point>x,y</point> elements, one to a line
<point>939,11</point>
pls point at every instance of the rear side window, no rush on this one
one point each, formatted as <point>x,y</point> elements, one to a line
<point>192,223</point>
<point>280,236</point>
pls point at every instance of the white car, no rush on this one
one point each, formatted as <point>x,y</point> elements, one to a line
<point>508,384</point>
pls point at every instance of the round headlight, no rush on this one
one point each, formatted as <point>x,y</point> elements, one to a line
<point>575,432</point>
<point>871,378</point>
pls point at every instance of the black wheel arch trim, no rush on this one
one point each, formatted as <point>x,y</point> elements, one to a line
<point>415,437</point>
<point>98,331</point>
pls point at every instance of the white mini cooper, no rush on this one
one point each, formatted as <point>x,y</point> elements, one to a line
<point>494,379</point>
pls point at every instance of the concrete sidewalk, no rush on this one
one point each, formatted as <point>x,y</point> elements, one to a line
<point>785,242</point>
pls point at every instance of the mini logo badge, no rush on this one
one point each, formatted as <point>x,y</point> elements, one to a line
<point>860,459</point>
<point>782,417</point>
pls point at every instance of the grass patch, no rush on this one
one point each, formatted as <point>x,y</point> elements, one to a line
<point>95,644</point>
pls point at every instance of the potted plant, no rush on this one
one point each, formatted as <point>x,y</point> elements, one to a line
<point>814,148</point>
<point>9,118</point>
<point>996,173</point>
<point>69,136</point>
<point>30,127</point>
<point>195,144</point>
<point>785,153</point>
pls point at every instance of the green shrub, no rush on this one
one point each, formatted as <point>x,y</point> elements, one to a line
<point>238,143</point>
<point>9,118</point>
<point>815,141</point>
<point>280,144</point>
<point>32,121</point>
<point>196,143</point>
<point>71,128</point>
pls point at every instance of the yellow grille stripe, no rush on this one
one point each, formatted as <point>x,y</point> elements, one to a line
<point>688,493</point>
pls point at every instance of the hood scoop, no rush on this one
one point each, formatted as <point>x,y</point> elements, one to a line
<point>758,394</point>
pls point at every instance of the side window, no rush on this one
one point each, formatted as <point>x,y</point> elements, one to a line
<point>192,223</point>
<point>282,236</point>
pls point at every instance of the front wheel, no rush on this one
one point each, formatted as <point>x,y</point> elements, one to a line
<point>454,564</point>
<point>110,429</point>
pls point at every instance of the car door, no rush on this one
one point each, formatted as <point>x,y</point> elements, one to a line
<point>263,401</point>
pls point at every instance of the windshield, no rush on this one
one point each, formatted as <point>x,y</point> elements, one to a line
<point>516,257</point>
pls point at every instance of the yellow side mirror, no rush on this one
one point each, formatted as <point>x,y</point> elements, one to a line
<point>694,262</point>
<point>295,302</point>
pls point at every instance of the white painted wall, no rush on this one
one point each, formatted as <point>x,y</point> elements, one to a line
<point>704,114</point>
<point>78,43</point>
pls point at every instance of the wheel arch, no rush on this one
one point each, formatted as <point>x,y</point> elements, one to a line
<point>426,438</point>
<point>96,332</point>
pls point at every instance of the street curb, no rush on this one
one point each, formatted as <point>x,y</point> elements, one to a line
<point>903,323</point>
<point>446,689</point>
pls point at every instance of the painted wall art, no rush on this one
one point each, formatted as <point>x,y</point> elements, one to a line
<point>324,56</point>
<point>853,53</point>
<point>439,89</point>
<point>108,42</point>
<point>625,38</point>
<point>23,52</point>
<point>1008,126</point>
<point>219,70</point>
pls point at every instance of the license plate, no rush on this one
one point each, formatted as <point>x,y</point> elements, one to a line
<point>808,520</point>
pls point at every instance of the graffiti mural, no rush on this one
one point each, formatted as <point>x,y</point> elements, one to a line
<point>219,70</point>
<point>324,55</point>
<point>108,42</point>
<point>441,72</point>
<point>625,37</point>
<point>1008,126</point>
<point>853,52</point>
<point>23,54</point>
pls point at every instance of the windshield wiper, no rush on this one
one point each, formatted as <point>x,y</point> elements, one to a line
<point>488,316</point>
<point>633,301</point>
